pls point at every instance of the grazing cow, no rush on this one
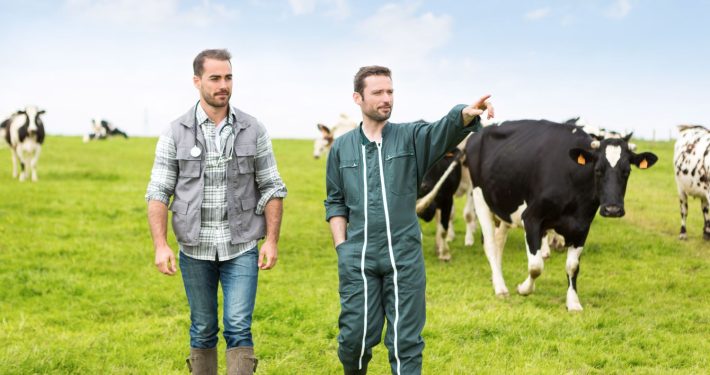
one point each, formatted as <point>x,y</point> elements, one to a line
<point>24,132</point>
<point>442,181</point>
<point>544,175</point>
<point>692,172</point>
<point>322,143</point>
<point>102,129</point>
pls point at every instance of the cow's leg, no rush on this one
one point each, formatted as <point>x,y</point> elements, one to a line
<point>450,233</point>
<point>444,224</point>
<point>13,154</point>
<point>706,216</point>
<point>485,218</point>
<point>683,215</point>
<point>533,243</point>
<point>442,247</point>
<point>545,247</point>
<point>501,236</point>
<point>33,162</point>
<point>469,215</point>
<point>572,268</point>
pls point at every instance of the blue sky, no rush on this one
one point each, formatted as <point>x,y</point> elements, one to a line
<point>639,65</point>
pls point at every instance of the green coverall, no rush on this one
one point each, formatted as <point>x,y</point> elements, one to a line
<point>380,264</point>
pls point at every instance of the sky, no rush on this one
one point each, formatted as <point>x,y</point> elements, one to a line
<point>625,65</point>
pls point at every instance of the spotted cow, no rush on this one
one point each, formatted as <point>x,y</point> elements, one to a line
<point>25,134</point>
<point>691,158</point>
<point>544,175</point>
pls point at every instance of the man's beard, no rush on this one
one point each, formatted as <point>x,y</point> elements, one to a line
<point>377,116</point>
<point>212,101</point>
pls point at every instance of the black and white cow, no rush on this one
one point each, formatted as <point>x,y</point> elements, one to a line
<point>25,134</point>
<point>436,198</point>
<point>102,129</point>
<point>691,158</point>
<point>545,175</point>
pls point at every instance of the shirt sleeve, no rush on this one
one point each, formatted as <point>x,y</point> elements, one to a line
<point>163,176</point>
<point>335,198</point>
<point>268,179</point>
<point>433,140</point>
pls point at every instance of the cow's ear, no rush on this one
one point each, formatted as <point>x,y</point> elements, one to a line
<point>643,160</point>
<point>581,156</point>
<point>627,137</point>
<point>324,129</point>
<point>42,111</point>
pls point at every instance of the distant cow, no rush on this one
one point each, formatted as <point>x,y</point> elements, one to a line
<point>327,135</point>
<point>545,175</point>
<point>102,129</point>
<point>24,132</point>
<point>692,172</point>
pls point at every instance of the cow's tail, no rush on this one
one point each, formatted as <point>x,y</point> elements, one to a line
<point>425,201</point>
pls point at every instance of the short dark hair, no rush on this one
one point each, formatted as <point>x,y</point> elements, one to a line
<point>198,66</point>
<point>366,71</point>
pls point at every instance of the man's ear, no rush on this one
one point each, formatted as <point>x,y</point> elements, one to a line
<point>582,157</point>
<point>643,160</point>
<point>357,98</point>
<point>196,81</point>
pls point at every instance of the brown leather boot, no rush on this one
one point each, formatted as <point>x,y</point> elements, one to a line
<point>241,361</point>
<point>202,361</point>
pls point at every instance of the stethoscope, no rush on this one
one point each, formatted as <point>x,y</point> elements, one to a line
<point>195,151</point>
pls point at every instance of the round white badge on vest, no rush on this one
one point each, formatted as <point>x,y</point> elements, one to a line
<point>195,151</point>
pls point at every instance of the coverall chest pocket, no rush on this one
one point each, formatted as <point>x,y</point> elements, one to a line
<point>350,174</point>
<point>245,155</point>
<point>400,172</point>
<point>189,166</point>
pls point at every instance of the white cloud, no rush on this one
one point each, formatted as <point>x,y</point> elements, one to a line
<point>537,14</point>
<point>335,8</point>
<point>150,13</point>
<point>619,9</point>
<point>399,32</point>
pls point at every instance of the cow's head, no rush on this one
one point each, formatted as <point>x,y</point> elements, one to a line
<point>322,143</point>
<point>611,159</point>
<point>33,125</point>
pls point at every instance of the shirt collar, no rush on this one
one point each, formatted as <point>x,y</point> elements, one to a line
<point>201,116</point>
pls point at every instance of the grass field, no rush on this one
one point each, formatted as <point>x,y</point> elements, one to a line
<point>79,293</point>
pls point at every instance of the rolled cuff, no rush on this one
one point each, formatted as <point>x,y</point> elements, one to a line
<point>277,192</point>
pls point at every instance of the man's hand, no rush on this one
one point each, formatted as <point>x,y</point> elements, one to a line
<point>165,260</point>
<point>267,255</point>
<point>476,109</point>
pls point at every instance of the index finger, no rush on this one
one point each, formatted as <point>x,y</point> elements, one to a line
<point>482,100</point>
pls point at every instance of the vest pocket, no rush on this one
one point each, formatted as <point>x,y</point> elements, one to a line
<point>400,172</point>
<point>188,165</point>
<point>245,155</point>
<point>350,174</point>
<point>187,230</point>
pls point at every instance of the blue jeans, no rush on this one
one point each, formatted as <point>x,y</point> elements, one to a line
<point>238,277</point>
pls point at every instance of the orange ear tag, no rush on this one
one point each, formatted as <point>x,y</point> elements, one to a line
<point>581,160</point>
<point>643,164</point>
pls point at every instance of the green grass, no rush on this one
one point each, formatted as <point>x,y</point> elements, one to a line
<point>79,293</point>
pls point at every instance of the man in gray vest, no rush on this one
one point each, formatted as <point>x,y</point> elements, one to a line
<point>217,164</point>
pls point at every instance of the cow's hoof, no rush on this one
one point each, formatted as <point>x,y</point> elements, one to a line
<point>502,293</point>
<point>682,236</point>
<point>468,242</point>
<point>706,236</point>
<point>524,290</point>
<point>574,307</point>
<point>445,258</point>
<point>545,254</point>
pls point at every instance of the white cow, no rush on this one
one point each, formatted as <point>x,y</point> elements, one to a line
<point>25,134</point>
<point>692,172</point>
<point>322,144</point>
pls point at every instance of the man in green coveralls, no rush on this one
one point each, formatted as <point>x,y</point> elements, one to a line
<point>372,178</point>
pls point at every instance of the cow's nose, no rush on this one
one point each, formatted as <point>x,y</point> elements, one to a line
<point>612,211</point>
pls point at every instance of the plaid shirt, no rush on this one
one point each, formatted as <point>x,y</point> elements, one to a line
<point>215,239</point>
